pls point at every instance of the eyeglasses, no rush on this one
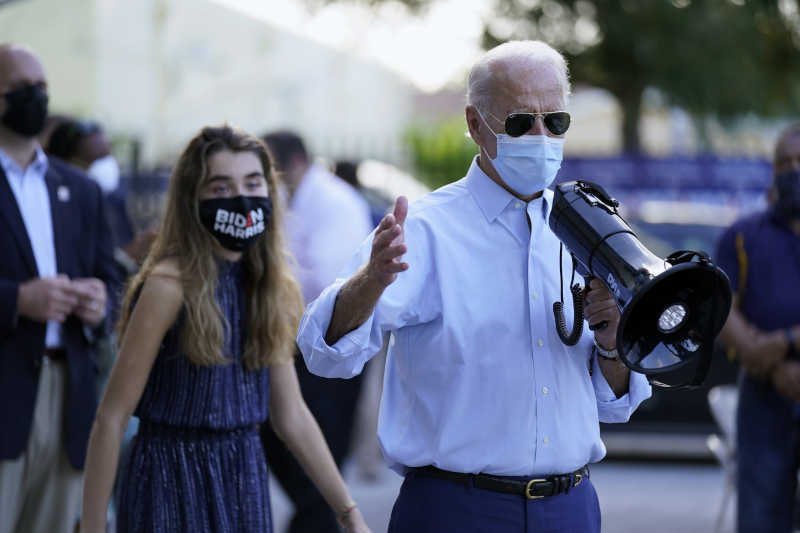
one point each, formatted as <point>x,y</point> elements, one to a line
<point>518,124</point>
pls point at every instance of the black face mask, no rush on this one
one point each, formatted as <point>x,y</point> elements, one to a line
<point>788,187</point>
<point>26,110</point>
<point>237,222</point>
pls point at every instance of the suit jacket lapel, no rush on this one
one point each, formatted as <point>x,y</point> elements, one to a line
<point>59,209</point>
<point>9,210</point>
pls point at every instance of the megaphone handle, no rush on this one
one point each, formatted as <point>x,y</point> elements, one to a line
<point>600,325</point>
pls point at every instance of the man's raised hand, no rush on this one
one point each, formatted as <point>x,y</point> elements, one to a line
<point>360,294</point>
<point>388,247</point>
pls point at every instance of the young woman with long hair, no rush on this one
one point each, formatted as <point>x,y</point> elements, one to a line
<point>207,337</point>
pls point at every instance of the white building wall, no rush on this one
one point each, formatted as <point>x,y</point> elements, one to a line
<point>158,70</point>
<point>61,32</point>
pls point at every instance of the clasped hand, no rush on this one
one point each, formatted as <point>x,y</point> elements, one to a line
<point>43,299</point>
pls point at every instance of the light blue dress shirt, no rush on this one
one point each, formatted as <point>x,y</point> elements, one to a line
<point>477,379</point>
<point>33,199</point>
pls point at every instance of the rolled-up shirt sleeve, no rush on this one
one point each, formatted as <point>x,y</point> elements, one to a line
<point>611,409</point>
<point>403,303</point>
<point>344,359</point>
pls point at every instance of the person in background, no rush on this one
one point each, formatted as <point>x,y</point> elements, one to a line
<point>57,260</point>
<point>487,414</point>
<point>206,355</point>
<point>379,204</point>
<point>328,220</point>
<point>87,146</point>
<point>761,254</point>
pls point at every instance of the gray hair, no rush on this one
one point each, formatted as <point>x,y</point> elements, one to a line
<point>536,53</point>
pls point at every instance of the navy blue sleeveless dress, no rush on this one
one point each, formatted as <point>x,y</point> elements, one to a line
<point>197,464</point>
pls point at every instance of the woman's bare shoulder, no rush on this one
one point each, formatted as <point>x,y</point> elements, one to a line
<point>169,267</point>
<point>164,282</point>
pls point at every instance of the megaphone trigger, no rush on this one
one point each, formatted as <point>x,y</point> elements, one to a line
<point>600,325</point>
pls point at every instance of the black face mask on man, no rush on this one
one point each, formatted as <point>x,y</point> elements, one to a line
<point>788,187</point>
<point>236,222</point>
<point>26,110</point>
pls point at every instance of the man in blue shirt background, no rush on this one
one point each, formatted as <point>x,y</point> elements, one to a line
<point>487,414</point>
<point>761,254</point>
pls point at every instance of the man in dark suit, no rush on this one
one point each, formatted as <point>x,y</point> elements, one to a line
<point>55,258</point>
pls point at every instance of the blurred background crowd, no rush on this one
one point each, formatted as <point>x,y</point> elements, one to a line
<point>676,108</point>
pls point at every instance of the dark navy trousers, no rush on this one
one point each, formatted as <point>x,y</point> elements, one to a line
<point>768,459</point>
<point>432,505</point>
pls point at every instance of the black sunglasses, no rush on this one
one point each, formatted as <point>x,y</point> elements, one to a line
<point>518,124</point>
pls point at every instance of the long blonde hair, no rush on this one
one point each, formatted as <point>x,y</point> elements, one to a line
<point>274,302</point>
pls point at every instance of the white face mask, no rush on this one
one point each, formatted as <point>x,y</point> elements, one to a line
<point>105,171</point>
<point>527,164</point>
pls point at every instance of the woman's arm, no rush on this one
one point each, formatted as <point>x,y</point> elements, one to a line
<point>296,426</point>
<point>156,311</point>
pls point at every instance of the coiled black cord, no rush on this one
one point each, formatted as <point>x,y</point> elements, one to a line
<point>570,339</point>
<point>577,305</point>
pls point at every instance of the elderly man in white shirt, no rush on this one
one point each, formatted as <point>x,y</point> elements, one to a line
<point>327,221</point>
<point>489,416</point>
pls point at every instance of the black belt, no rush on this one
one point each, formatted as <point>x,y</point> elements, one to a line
<point>532,489</point>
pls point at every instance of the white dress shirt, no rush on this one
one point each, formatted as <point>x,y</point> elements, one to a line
<point>33,199</point>
<point>327,221</point>
<point>477,379</point>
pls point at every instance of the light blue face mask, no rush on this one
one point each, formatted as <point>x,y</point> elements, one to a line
<point>527,164</point>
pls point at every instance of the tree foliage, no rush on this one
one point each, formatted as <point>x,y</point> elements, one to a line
<point>441,153</point>
<point>721,58</point>
<point>712,57</point>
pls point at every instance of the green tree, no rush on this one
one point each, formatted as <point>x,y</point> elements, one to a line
<point>723,58</point>
<point>712,57</point>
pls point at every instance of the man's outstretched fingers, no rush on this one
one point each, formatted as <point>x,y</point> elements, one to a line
<point>392,252</point>
<point>397,267</point>
<point>401,209</point>
<point>383,238</point>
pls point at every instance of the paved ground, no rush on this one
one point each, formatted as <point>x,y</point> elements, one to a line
<point>634,498</point>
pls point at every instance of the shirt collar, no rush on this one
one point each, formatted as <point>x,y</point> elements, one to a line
<point>38,165</point>
<point>492,198</point>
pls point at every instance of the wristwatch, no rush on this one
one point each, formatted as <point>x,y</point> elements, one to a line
<point>611,355</point>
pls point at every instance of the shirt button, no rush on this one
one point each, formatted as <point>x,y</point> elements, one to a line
<point>540,343</point>
<point>516,205</point>
<point>544,390</point>
<point>545,440</point>
<point>535,295</point>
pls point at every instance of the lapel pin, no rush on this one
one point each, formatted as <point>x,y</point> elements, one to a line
<point>63,193</point>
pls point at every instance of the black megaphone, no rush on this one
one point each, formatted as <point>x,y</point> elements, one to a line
<point>672,309</point>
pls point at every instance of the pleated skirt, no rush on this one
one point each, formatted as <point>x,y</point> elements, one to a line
<point>184,480</point>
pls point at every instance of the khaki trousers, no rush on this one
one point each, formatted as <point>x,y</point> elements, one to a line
<point>40,491</point>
